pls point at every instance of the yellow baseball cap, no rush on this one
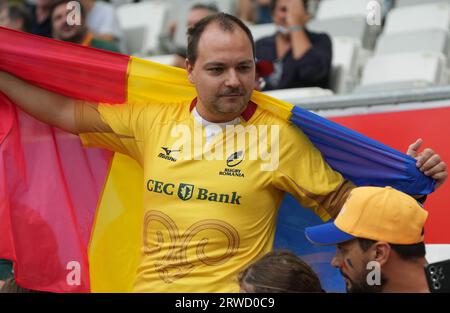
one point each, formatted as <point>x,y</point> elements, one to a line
<point>381,214</point>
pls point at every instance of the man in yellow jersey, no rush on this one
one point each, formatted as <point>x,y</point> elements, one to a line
<point>205,217</point>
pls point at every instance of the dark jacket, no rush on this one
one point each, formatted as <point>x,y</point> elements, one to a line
<point>43,29</point>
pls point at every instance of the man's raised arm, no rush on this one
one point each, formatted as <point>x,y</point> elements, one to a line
<point>46,106</point>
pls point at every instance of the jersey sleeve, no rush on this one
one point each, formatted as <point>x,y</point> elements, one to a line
<point>304,173</point>
<point>119,128</point>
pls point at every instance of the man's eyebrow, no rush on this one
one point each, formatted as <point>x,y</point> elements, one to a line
<point>246,62</point>
<point>216,63</point>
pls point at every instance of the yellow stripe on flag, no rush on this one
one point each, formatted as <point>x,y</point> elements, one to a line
<point>114,250</point>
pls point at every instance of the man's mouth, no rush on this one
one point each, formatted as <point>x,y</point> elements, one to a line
<point>344,275</point>
<point>237,94</point>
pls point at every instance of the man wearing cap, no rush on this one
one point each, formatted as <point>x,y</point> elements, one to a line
<point>378,229</point>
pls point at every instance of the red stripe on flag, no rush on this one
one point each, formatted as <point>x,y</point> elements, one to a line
<point>50,184</point>
<point>66,68</point>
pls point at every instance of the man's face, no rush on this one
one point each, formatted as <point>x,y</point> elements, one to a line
<point>5,21</point>
<point>4,18</point>
<point>352,261</point>
<point>279,14</point>
<point>61,29</point>
<point>43,3</point>
<point>195,15</point>
<point>224,72</point>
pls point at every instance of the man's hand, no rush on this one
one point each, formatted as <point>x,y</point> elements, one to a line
<point>296,13</point>
<point>429,162</point>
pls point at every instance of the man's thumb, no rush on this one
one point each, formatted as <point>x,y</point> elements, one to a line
<point>413,148</point>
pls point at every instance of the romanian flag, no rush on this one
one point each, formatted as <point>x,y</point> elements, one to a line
<point>70,216</point>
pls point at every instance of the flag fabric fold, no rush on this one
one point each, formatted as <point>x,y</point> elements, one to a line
<point>70,216</point>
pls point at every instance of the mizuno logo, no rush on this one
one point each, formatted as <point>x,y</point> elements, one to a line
<point>168,151</point>
<point>167,154</point>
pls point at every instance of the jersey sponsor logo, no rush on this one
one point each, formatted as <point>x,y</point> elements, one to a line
<point>186,192</point>
<point>205,194</point>
<point>171,252</point>
<point>233,160</point>
<point>167,154</point>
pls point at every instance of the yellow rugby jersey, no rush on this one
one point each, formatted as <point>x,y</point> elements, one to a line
<point>206,218</point>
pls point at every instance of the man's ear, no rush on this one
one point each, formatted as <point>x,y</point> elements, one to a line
<point>380,252</point>
<point>190,68</point>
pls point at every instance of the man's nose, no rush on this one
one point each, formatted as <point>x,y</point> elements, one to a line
<point>335,262</point>
<point>232,79</point>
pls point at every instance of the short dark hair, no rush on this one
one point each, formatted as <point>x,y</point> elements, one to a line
<point>57,3</point>
<point>203,6</point>
<point>225,21</point>
<point>406,252</point>
<point>18,12</point>
<point>280,271</point>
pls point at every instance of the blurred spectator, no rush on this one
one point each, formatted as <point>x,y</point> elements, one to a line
<point>15,16</point>
<point>279,271</point>
<point>79,34</point>
<point>10,286</point>
<point>102,20</point>
<point>40,18</point>
<point>6,271</point>
<point>379,239</point>
<point>196,13</point>
<point>300,58</point>
<point>255,11</point>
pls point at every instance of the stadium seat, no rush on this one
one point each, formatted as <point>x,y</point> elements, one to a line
<point>418,17</point>
<point>417,41</point>
<point>142,24</point>
<point>348,18</point>
<point>120,2</point>
<point>355,27</point>
<point>403,71</point>
<point>262,30</point>
<point>329,9</point>
<point>404,3</point>
<point>293,95</point>
<point>345,64</point>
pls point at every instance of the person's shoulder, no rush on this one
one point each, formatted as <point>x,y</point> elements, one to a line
<point>265,41</point>
<point>163,110</point>
<point>150,112</point>
<point>265,117</point>
<point>287,129</point>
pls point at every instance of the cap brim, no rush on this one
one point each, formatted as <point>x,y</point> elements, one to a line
<point>326,235</point>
